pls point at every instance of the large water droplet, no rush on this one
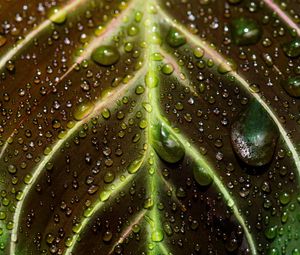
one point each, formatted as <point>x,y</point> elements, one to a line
<point>83,110</point>
<point>166,145</point>
<point>245,31</point>
<point>254,136</point>
<point>157,236</point>
<point>135,165</point>
<point>201,175</point>
<point>271,232</point>
<point>106,55</point>
<point>292,49</point>
<point>175,38</point>
<point>57,16</point>
<point>151,80</point>
<point>292,86</point>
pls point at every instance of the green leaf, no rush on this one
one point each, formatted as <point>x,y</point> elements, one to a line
<point>150,127</point>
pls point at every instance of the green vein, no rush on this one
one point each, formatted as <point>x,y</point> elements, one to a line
<point>156,234</point>
<point>163,249</point>
<point>30,36</point>
<point>282,15</point>
<point>118,185</point>
<point>220,59</point>
<point>178,73</point>
<point>4,147</point>
<point>128,229</point>
<point>107,101</point>
<point>170,187</point>
<point>193,152</point>
<point>111,29</point>
<point>199,159</point>
<point>155,222</point>
<point>98,205</point>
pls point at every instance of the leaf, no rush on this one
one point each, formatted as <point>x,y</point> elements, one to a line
<point>150,127</point>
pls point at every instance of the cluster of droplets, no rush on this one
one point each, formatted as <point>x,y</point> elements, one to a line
<point>191,81</point>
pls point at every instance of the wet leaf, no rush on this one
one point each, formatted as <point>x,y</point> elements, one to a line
<point>149,127</point>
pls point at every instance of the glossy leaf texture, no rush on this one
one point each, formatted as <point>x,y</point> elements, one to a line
<point>150,127</point>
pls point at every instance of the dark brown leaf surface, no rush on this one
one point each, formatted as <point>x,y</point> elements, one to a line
<point>149,127</point>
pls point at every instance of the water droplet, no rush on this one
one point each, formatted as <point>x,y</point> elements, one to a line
<point>106,113</point>
<point>157,236</point>
<point>132,30</point>
<point>143,124</point>
<point>266,187</point>
<point>284,198</point>
<point>201,176</point>
<point>139,90</point>
<point>10,66</point>
<point>166,145</point>
<point>93,189</point>
<point>151,80</point>
<point>180,192</point>
<point>245,31</point>
<point>2,215</point>
<point>147,107</point>
<point>168,229</point>
<point>284,217</point>
<point>271,232</point>
<point>83,110</point>
<point>292,49</point>
<point>12,169</point>
<point>157,56</point>
<point>273,251</point>
<point>136,228</point>
<point>135,165</point>
<point>175,38</point>
<point>227,66</point>
<point>109,177</point>
<point>138,16</point>
<point>148,204</point>
<point>69,241</point>
<point>57,16</point>
<point>107,236</point>
<point>198,52</point>
<point>77,228</point>
<point>106,55</point>
<point>254,136</point>
<point>104,195</point>
<point>128,46</point>
<point>292,86</point>
<point>296,251</point>
<point>167,69</point>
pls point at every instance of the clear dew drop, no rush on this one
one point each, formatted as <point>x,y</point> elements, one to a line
<point>166,145</point>
<point>83,110</point>
<point>175,38</point>
<point>106,55</point>
<point>245,31</point>
<point>292,86</point>
<point>254,136</point>
<point>57,16</point>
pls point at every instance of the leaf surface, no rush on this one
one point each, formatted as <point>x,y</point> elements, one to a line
<point>150,127</point>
